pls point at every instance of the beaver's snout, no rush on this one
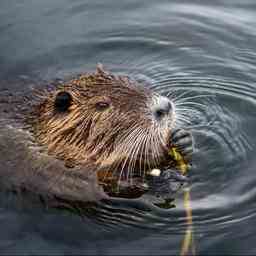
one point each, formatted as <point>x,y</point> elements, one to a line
<point>162,107</point>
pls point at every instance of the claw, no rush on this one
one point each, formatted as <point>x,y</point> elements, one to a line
<point>174,176</point>
<point>167,182</point>
<point>183,141</point>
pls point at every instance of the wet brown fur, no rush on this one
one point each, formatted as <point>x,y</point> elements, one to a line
<point>84,134</point>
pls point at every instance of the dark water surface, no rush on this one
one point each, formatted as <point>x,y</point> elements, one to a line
<point>204,49</point>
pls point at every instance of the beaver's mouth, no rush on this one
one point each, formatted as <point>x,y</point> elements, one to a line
<point>140,161</point>
<point>130,181</point>
<point>145,168</point>
<point>128,168</point>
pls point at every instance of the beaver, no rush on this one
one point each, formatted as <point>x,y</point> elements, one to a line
<point>96,123</point>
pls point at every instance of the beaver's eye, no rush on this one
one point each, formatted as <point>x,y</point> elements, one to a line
<point>62,101</point>
<point>102,105</point>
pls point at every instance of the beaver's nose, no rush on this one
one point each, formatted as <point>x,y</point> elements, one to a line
<point>162,108</point>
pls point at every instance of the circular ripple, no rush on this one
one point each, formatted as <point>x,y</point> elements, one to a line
<point>200,54</point>
<point>224,148</point>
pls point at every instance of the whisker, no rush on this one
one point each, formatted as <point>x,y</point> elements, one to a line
<point>157,144</point>
<point>177,98</point>
<point>133,156</point>
<point>132,142</point>
<point>191,103</point>
<point>147,162</point>
<point>182,120</point>
<point>187,112</point>
<point>195,97</point>
<point>152,146</point>
<point>124,150</point>
<point>208,124</point>
<point>143,150</point>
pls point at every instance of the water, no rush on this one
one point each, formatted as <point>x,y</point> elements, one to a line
<point>196,47</point>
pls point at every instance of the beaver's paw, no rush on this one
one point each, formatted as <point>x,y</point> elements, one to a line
<point>130,190</point>
<point>167,183</point>
<point>183,141</point>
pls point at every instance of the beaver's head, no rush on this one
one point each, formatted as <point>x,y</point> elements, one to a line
<point>107,119</point>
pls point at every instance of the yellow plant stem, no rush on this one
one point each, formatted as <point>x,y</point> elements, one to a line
<point>188,241</point>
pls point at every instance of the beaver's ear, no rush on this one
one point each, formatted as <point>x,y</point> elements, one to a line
<point>63,101</point>
<point>100,70</point>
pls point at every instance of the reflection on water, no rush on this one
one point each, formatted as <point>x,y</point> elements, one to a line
<point>202,51</point>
